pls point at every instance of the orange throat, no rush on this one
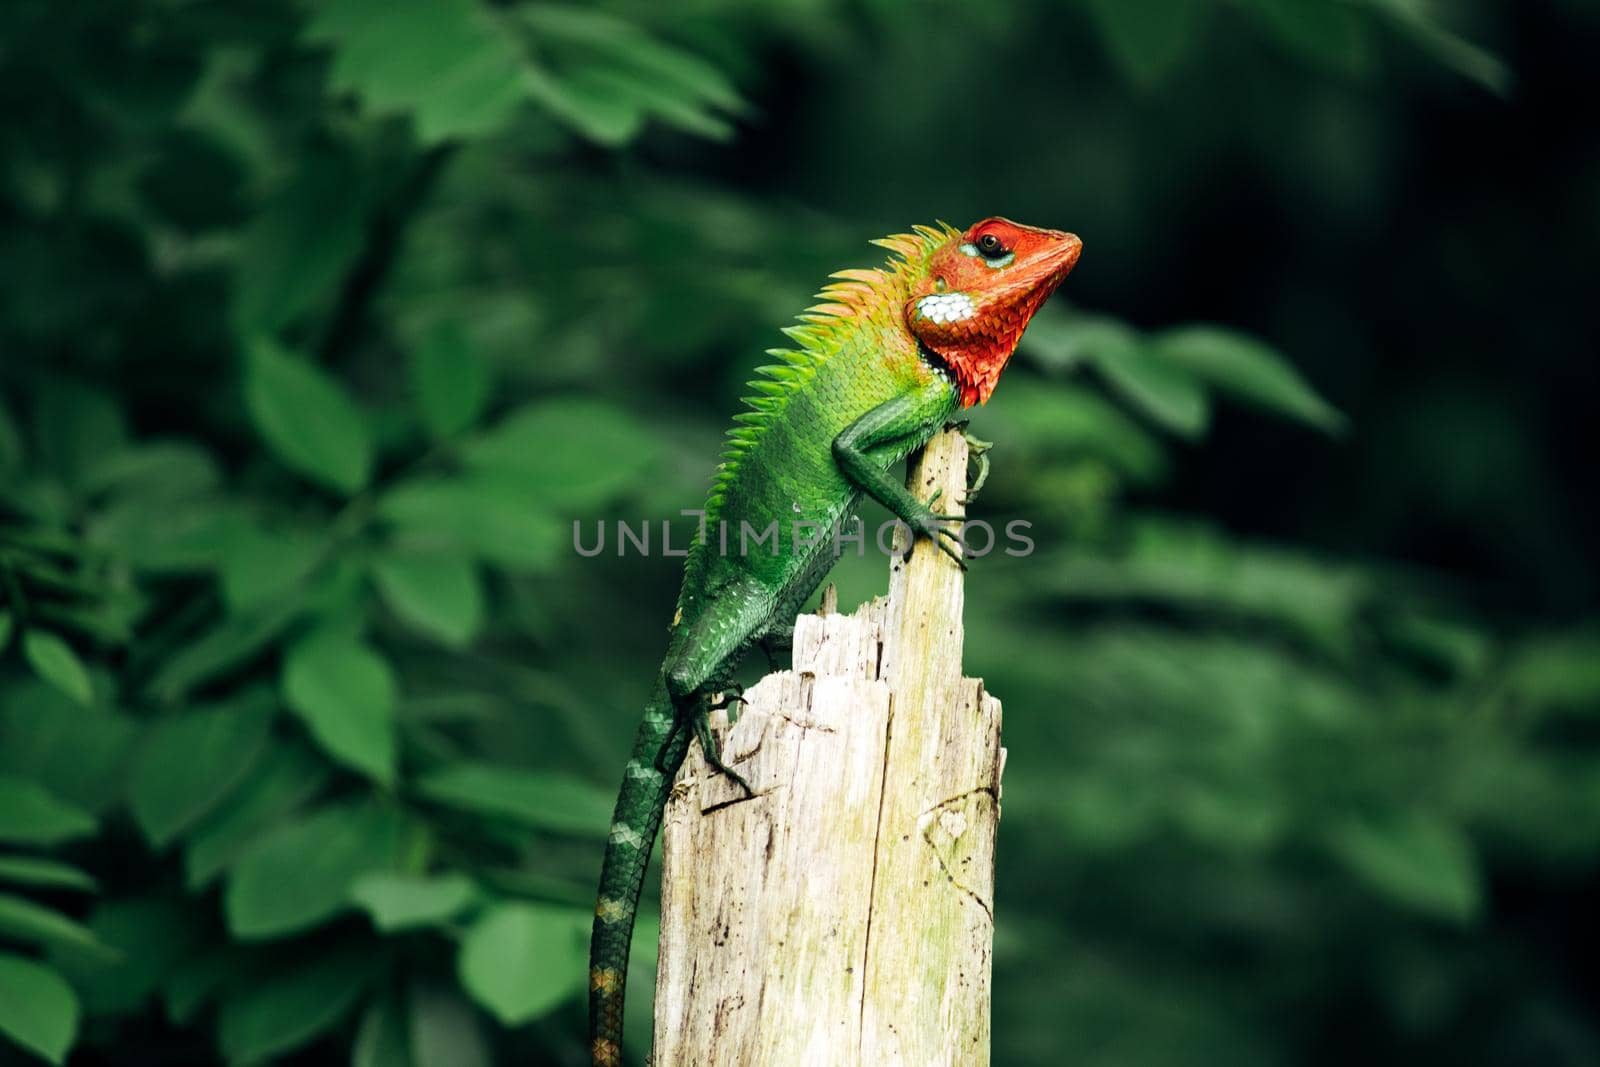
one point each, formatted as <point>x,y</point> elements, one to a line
<point>977,354</point>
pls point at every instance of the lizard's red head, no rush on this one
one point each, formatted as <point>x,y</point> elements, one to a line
<point>981,289</point>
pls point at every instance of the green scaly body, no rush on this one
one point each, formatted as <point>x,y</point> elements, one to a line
<point>857,374</point>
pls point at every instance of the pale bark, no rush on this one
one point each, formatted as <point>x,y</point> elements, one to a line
<point>845,914</point>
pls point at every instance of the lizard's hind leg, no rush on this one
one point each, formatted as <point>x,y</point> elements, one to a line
<point>775,640</point>
<point>713,755</point>
<point>698,719</point>
<point>708,651</point>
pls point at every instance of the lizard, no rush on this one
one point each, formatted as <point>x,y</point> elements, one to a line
<point>883,363</point>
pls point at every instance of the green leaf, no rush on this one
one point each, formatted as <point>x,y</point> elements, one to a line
<point>299,875</point>
<point>502,520</point>
<point>444,1029</point>
<point>146,936</point>
<point>1165,393</point>
<point>306,417</point>
<point>1051,420</point>
<point>192,983</point>
<point>1560,669</point>
<point>1446,646</point>
<point>78,754</point>
<point>603,117</point>
<point>1415,19</point>
<point>7,624</point>
<point>403,901</point>
<point>77,426</point>
<point>31,815</point>
<point>521,960</point>
<point>345,692</point>
<point>449,380</point>
<point>608,75</point>
<point>381,1038</point>
<point>1332,33</point>
<point>1147,38</point>
<point>446,63</point>
<point>190,762</point>
<point>1168,395</point>
<point>259,566</point>
<point>436,592</point>
<point>53,660</point>
<point>165,536</point>
<point>301,244</point>
<point>1248,369</point>
<point>671,69</point>
<point>644,96</point>
<point>539,799</point>
<point>286,777</point>
<point>1418,860</point>
<point>271,1015</point>
<point>38,1010</point>
<point>23,920</point>
<point>43,873</point>
<point>224,647</point>
<point>159,471</point>
<point>578,452</point>
<point>1186,567</point>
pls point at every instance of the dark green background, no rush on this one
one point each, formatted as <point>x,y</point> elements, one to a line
<point>321,323</point>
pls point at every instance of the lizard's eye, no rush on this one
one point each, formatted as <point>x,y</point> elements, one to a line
<point>991,246</point>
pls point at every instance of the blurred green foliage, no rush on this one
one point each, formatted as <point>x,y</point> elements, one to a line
<point>321,325</point>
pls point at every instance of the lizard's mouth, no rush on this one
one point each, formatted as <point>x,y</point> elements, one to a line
<point>1059,259</point>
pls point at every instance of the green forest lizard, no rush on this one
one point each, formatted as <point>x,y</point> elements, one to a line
<point>879,367</point>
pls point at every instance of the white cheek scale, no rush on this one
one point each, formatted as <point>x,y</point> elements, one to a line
<point>945,308</point>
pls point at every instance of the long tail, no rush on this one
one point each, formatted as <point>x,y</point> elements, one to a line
<point>633,832</point>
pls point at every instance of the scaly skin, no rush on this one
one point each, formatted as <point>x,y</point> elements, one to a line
<point>880,367</point>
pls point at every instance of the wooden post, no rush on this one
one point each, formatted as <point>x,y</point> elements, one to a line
<point>844,916</point>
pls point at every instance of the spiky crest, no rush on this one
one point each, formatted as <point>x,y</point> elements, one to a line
<point>823,328</point>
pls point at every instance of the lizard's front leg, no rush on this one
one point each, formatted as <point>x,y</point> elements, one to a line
<point>890,430</point>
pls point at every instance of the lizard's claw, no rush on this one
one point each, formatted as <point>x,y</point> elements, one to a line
<point>933,526</point>
<point>732,699</point>
<point>971,493</point>
<point>939,515</point>
<point>977,449</point>
<point>731,695</point>
<point>949,542</point>
<point>709,749</point>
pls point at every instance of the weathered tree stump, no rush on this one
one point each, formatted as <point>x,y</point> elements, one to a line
<point>843,915</point>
